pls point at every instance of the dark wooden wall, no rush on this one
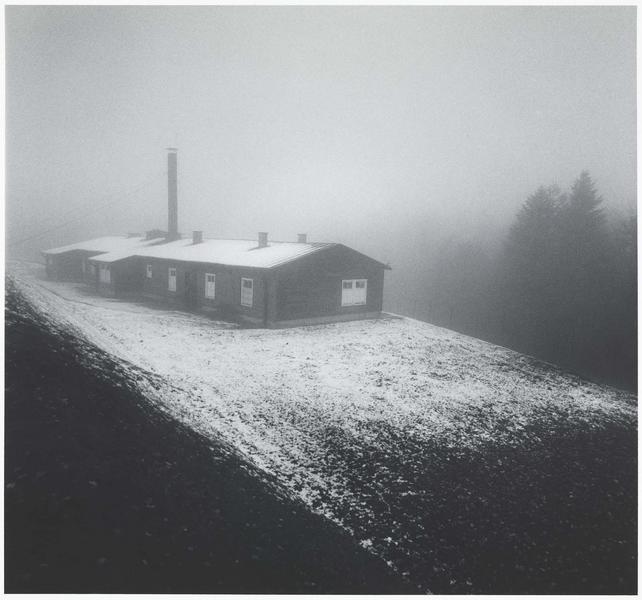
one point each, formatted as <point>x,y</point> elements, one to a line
<point>228,285</point>
<point>67,266</point>
<point>311,286</point>
<point>127,276</point>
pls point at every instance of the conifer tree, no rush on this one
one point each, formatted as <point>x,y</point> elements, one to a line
<point>530,271</point>
<point>585,269</point>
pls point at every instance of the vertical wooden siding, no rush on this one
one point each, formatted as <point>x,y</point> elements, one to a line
<point>311,287</point>
<point>228,285</point>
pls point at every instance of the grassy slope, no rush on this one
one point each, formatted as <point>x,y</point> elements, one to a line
<point>466,466</point>
<point>106,494</point>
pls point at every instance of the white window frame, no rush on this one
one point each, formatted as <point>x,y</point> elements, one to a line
<point>250,294</point>
<point>171,279</point>
<point>349,296</point>
<point>210,286</point>
<point>149,272</point>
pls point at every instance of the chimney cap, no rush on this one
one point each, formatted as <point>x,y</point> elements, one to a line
<point>172,150</point>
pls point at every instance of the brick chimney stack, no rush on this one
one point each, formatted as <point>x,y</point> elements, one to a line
<point>172,194</point>
<point>263,242</point>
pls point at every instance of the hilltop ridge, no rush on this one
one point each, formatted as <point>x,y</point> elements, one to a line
<point>350,418</point>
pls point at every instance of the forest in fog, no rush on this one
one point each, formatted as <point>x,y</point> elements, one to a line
<point>561,287</point>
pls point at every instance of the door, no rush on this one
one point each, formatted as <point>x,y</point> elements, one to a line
<point>171,279</point>
<point>190,289</point>
<point>247,291</point>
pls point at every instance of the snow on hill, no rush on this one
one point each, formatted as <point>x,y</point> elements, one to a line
<point>311,405</point>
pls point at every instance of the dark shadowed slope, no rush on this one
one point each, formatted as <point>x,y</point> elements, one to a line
<point>106,494</point>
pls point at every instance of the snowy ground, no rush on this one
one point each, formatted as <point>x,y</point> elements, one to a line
<point>310,405</point>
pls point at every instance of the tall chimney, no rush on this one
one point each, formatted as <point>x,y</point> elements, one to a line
<point>172,194</point>
<point>263,239</point>
<point>302,238</point>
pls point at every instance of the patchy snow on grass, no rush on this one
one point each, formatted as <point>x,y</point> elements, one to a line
<point>308,405</point>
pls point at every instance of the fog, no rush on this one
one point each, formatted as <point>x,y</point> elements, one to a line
<point>389,129</point>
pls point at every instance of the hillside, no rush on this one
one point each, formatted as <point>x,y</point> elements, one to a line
<point>465,466</point>
<point>105,494</point>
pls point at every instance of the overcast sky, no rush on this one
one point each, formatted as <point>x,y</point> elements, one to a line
<point>376,127</point>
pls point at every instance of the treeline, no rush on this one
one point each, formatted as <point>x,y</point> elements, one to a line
<point>562,287</point>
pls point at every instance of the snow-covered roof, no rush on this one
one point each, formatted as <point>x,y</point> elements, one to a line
<point>238,253</point>
<point>106,244</point>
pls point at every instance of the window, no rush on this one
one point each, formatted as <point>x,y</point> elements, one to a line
<point>247,291</point>
<point>104,274</point>
<point>171,280</point>
<point>149,271</point>
<point>210,285</point>
<point>353,292</point>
